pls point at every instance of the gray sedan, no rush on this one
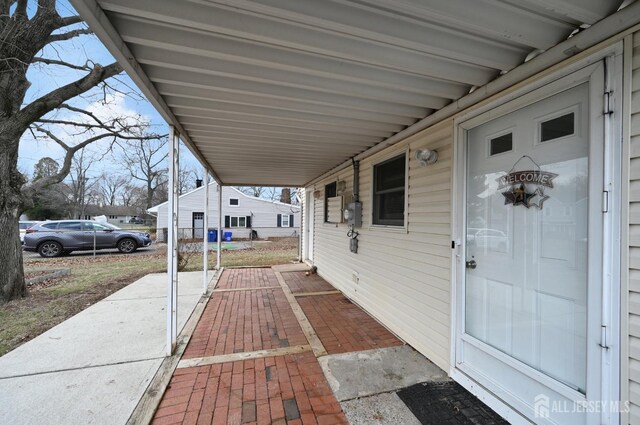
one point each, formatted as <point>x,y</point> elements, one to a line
<point>55,238</point>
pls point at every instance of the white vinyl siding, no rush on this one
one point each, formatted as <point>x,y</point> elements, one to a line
<point>263,213</point>
<point>404,276</point>
<point>634,240</point>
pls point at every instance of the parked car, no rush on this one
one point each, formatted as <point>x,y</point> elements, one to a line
<point>492,239</point>
<point>24,225</point>
<point>55,238</point>
<point>136,220</point>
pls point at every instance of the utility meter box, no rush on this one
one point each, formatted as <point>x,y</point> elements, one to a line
<point>353,214</point>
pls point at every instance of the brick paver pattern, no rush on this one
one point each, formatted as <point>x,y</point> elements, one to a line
<point>247,278</point>
<point>343,326</point>
<point>274,390</point>
<point>286,389</point>
<point>298,282</point>
<point>242,321</point>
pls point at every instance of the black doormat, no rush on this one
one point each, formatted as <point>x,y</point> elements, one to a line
<point>444,403</point>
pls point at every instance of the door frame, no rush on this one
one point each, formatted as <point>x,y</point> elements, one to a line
<point>523,94</point>
<point>193,224</point>
<point>309,211</point>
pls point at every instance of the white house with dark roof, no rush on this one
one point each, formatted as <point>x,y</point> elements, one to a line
<point>241,214</point>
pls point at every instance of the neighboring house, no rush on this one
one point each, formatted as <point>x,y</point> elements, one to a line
<point>115,214</point>
<point>240,214</point>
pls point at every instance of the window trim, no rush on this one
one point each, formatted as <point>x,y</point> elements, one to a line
<point>575,109</point>
<point>282,220</point>
<point>390,227</point>
<point>325,207</point>
<point>238,218</point>
<point>234,206</point>
<point>497,134</point>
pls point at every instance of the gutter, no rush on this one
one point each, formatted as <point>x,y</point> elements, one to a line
<point>612,28</point>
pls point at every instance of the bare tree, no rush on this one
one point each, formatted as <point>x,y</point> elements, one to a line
<point>27,27</point>
<point>45,167</point>
<point>186,179</point>
<point>111,187</point>
<point>80,184</point>
<point>255,191</point>
<point>145,161</point>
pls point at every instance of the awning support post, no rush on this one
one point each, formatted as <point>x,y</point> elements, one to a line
<point>220,232</point>
<point>205,224</point>
<point>172,243</point>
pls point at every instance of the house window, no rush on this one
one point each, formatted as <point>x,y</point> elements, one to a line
<point>234,202</point>
<point>332,203</point>
<point>237,221</point>
<point>388,192</point>
<point>285,220</point>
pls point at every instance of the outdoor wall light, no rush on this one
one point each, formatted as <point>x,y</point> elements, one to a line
<point>426,157</point>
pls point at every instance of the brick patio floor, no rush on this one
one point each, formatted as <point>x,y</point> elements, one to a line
<point>245,314</point>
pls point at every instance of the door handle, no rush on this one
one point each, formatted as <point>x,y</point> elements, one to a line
<point>471,264</point>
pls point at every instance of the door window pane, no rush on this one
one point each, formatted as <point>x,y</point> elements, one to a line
<point>557,127</point>
<point>501,144</point>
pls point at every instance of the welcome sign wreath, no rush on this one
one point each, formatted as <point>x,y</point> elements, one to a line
<point>520,185</point>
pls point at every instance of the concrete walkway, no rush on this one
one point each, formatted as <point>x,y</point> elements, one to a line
<point>94,367</point>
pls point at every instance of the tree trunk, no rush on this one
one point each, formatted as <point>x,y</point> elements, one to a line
<point>12,284</point>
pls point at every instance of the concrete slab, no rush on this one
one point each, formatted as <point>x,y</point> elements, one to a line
<point>115,330</point>
<point>101,395</point>
<point>364,373</point>
<point>297,267</point>
<point>382,409</point>
<point>155,286</point>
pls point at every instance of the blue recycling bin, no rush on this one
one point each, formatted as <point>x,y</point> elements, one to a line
<point>227,236</point>
<point>213,235</point>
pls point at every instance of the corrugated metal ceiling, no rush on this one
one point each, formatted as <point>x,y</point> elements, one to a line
<point>279,91</point>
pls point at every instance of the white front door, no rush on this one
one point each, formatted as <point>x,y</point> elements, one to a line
<point>531,298</point>
<point>198,225</point>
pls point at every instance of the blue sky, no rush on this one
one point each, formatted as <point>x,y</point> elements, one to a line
<point>45,78</point>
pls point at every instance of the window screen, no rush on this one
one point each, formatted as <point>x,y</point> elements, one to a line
<point>389,191</point>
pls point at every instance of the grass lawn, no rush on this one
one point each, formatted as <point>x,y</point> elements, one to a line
<point>92,279</point>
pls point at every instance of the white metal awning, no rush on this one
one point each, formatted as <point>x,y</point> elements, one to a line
<point>277,92</point>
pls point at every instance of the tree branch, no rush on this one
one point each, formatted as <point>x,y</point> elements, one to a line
<point>21,9</point>
<point>52,100</point>
<point>68,35</point>
<point>70,20</point>
<point>48,61</point>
